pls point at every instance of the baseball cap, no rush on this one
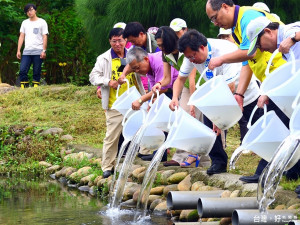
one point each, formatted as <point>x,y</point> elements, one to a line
<point>224,31</point>
<point>120,25</point>
<point>177,24</point>
<point>254,28</point>
<point>262,6</point>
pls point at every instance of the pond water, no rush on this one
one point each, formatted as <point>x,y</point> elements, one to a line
<point>49,202</point>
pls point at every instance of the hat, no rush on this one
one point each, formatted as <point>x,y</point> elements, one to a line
<point>152,30</point>
<point>253,30</point>
<point>262,6</point>
<point>224,31</point>
<point>177,24</point>
<point>120,25</point>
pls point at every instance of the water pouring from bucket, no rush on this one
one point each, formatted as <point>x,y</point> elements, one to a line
<point>186,133</point>
<point>123,102</point>
<point>286,156</point>
<point>215,100</point>
<point>281,86</point>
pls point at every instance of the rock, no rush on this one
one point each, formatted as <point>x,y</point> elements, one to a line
<point>87,179</point>
<point>58,174</point>
<point>235,194</point>
<point>161,207</point>
<point>77,156</point>
<point>27,138</point>
<point>45,164</point>
<point>135,195</point>
<point>164,176</point>
<point>63,180</point>
<point>97,179</point>
<point>197,185</point>
<point>185,184</point>
<point>9,140</point>
<point>52,131</point>
<point>141,176</point>
<point>189,216</point>
<point>226,194</point>
<point>52,169</point>
<point>152,198</point>
<point>96,152</point>
<point>172,187</point>
<point>66,137</point>
<point>82,172</point>
<point>177,177</point>
<point>137,171</point>
<point>225,221</point>
<point>101,182</point>
<point>280,207</point>
<point>4,85</point>
<point>84,188</point>
<point>97,162</point>
<point>92,191</point>
<point>295,206</point>
<point>129,203</point>
<point>205,188</point>
<point>157,190</point>
<point>68,171</point>
<point>53,176</point>
<point>155,203</point>
<point>130,188</point>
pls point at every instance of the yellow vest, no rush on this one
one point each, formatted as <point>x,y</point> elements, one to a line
<point>115,64</point>
<point>259,62</point>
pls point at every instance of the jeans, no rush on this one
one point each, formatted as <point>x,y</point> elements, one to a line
<point>26,62</point>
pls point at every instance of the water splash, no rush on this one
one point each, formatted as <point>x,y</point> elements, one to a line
<point>117,167</point>
<point>118,192</point>
<point>148,182</point>
<point>287,155</point>
<point>235,156</point>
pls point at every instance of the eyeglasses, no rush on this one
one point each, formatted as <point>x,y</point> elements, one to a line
<point>258,39</point>
<point>29,10</point>
<point>117,41</point>
<point>214,18</point>
<point>191,58</point>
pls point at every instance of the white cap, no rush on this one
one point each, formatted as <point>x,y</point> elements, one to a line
<point>262,6</point>
<point>224,31</point>
<point>275,15</point>
<point>120,25</point>
<point>177,24</point>
<point>254,28</point>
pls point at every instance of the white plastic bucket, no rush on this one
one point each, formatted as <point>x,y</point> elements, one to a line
<point>215,100</point>
<point>295,118</point>
<point>265,135</point>
<point>124,102</point>
<point>159,112</point>
<point>189,134</point>
<point>282,85</point>
<point>153,137</point>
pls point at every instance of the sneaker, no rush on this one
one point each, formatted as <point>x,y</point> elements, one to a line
<point>24,84</point>
<point>35,84</point>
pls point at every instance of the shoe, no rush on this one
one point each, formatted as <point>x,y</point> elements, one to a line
<point>171,163</point>
<point>150,157</point>
<point>193,164</point>
<point>107,173</point>
<point>35,84</point>
<point>297,190</point>
<point>24,84</point>
<point>216,168</point>
<point>141,155</point>
<point>250,179</point>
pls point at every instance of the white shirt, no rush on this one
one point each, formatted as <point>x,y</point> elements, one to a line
<point>285,31</point>
<point>230,71</point>
<point>34,31</point>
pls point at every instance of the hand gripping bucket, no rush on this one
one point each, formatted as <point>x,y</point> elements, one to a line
<point>189,134</point>
<point>153,137</point>
<point>124,102</point>
<point>215,100</point>
<point>158,115</point>
<point>265,135</point>
<point>282,85</point>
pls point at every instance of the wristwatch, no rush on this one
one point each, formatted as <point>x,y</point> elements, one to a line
<point>44,50</point>
<point>140,101</point>
<point>293,37</point>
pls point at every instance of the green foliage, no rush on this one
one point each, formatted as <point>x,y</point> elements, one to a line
<point>157,181</point>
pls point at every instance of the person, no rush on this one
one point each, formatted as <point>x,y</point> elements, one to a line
<point>105,74</point>
<point>34,30</point>
<point>151,65</point>
<point>198,51</point>
<point>123,25</point>
<point>225,14</point>
<point>167,40</point>
<point>225,34</point>
<point>261,5</point>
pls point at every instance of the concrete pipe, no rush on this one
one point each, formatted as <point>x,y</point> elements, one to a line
<point>254,217</point>
<point>294,222</point>
<point>223,207</point>
<point>188,199</point>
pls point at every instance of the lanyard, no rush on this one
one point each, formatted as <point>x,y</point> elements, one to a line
<point>209,73</point>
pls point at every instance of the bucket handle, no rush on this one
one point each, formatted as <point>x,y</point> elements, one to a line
<point>200,78</point>
<point>293,71</point>
<point>151,100</point>
<point>127,113</point>
<point>175,123</point>
<point>252,114</point>
<point>117,94</point>
<point>296,101</point>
